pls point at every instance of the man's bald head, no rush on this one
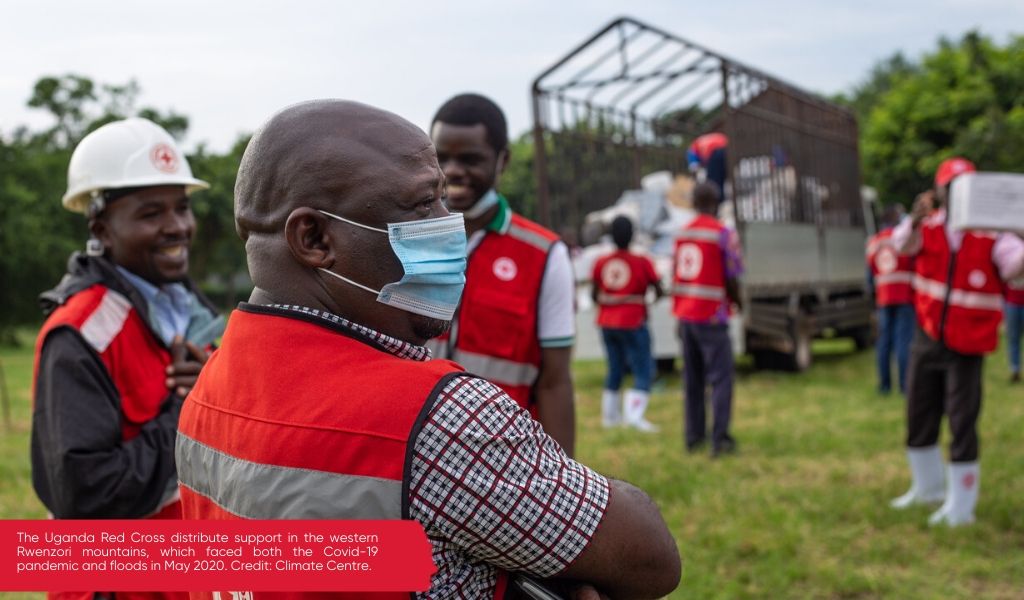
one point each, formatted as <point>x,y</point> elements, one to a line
<point>320,154</point>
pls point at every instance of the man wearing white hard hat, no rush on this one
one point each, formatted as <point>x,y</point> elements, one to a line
<point>125,336</point>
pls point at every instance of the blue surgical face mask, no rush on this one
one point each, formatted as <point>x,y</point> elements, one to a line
<point>482,205</point>
<point>433,256</point>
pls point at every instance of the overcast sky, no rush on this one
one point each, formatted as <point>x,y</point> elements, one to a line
<point>229,65</point>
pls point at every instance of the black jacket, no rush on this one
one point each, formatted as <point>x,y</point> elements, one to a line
<point>81,466</point>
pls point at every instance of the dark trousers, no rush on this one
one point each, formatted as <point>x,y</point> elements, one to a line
<point>628,348</point>
<point>942,381</point>
<point>895,330</point>
<point>707,360</point>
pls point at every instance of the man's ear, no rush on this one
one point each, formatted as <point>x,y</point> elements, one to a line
<point>501,163</point>
<point>308,238</point>
<point>503,159</point>
<point>99,229</point>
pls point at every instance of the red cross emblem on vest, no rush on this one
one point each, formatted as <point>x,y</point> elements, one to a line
<point>689,262</point>
<point>505,269</point>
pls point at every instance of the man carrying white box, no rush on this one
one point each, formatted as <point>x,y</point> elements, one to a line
<point>959,275</point>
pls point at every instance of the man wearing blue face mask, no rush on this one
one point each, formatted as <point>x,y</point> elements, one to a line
<point>516,324</point>
<point>323,403</point>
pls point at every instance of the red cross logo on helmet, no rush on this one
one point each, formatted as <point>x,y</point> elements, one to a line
<point>164,158</point>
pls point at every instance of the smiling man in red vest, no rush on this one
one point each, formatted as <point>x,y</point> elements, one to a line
<point>323,403</point>
<point>706,272</point>
<point>958,297</point>
<point>125,336</point>
<point>891,276</point>
<point>516,323</point>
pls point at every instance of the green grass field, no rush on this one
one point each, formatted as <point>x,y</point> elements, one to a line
<point>800,512</point>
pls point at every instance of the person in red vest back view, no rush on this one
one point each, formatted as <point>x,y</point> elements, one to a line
<point>322,401</point>
<point>126,334</point>
<point>1014,311</point>
<point>620,281</point>
<point>516,324</point>
<point>706,272</point>
<point>958,298</point>
<point>890,276</point>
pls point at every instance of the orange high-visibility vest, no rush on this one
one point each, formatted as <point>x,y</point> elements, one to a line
<point>297,419</point>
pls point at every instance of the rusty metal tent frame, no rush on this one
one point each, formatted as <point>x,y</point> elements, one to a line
<point>630,99</point>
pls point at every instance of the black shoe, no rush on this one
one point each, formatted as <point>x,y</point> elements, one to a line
<point>1015,377</point>
<point>726,445</point>
<point>696,446</point>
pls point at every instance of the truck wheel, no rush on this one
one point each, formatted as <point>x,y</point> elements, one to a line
<point>765,359</point>
<point>862,337</point>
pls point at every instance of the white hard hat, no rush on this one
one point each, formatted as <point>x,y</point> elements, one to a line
<point>130,153</point>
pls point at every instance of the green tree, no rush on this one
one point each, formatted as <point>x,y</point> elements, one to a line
<point>966,98</point>
<point>867,94</point>
<point>518,182</point>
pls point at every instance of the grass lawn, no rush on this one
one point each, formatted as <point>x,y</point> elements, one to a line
<point>800,512</point>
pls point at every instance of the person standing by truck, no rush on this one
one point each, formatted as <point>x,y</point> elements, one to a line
<point>958,298</point>
<point>620,281</point>
<point>706,271</point>
<point>891,274</point>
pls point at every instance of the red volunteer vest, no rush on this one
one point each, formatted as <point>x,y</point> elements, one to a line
<point>958,297</point>
<point>136,362</point>
<point>135,359</point>
<point>699,273</point>
<point>496,337</point>
<point>1015,291</point>
<point>293,420</point>
<point>622,279</point>
<point>893,272</point>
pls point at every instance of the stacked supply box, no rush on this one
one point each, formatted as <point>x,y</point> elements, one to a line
<point>988,201</point>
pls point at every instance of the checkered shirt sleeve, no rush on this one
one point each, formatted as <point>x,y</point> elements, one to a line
<point>492,489</point>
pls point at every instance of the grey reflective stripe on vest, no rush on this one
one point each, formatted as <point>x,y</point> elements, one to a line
<point>699,291</point>
<point>936,290</point>
<point>612,299</point>
<point>257,491</point>
<point>532,238</point>
<point>700,235</point>
<point>896,277</point>
<point>498,370</point>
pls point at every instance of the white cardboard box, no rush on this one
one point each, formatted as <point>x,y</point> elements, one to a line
<point>987,201</point>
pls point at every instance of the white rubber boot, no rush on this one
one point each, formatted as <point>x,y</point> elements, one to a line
<point>927,483</point>
<point>611,411</point>
<point>636,404</point>
<point>958,509</point>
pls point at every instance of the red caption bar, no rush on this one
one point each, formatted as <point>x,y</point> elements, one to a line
<point>158,555</point>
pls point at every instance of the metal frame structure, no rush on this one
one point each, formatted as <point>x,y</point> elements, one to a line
<point>630,99</point>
